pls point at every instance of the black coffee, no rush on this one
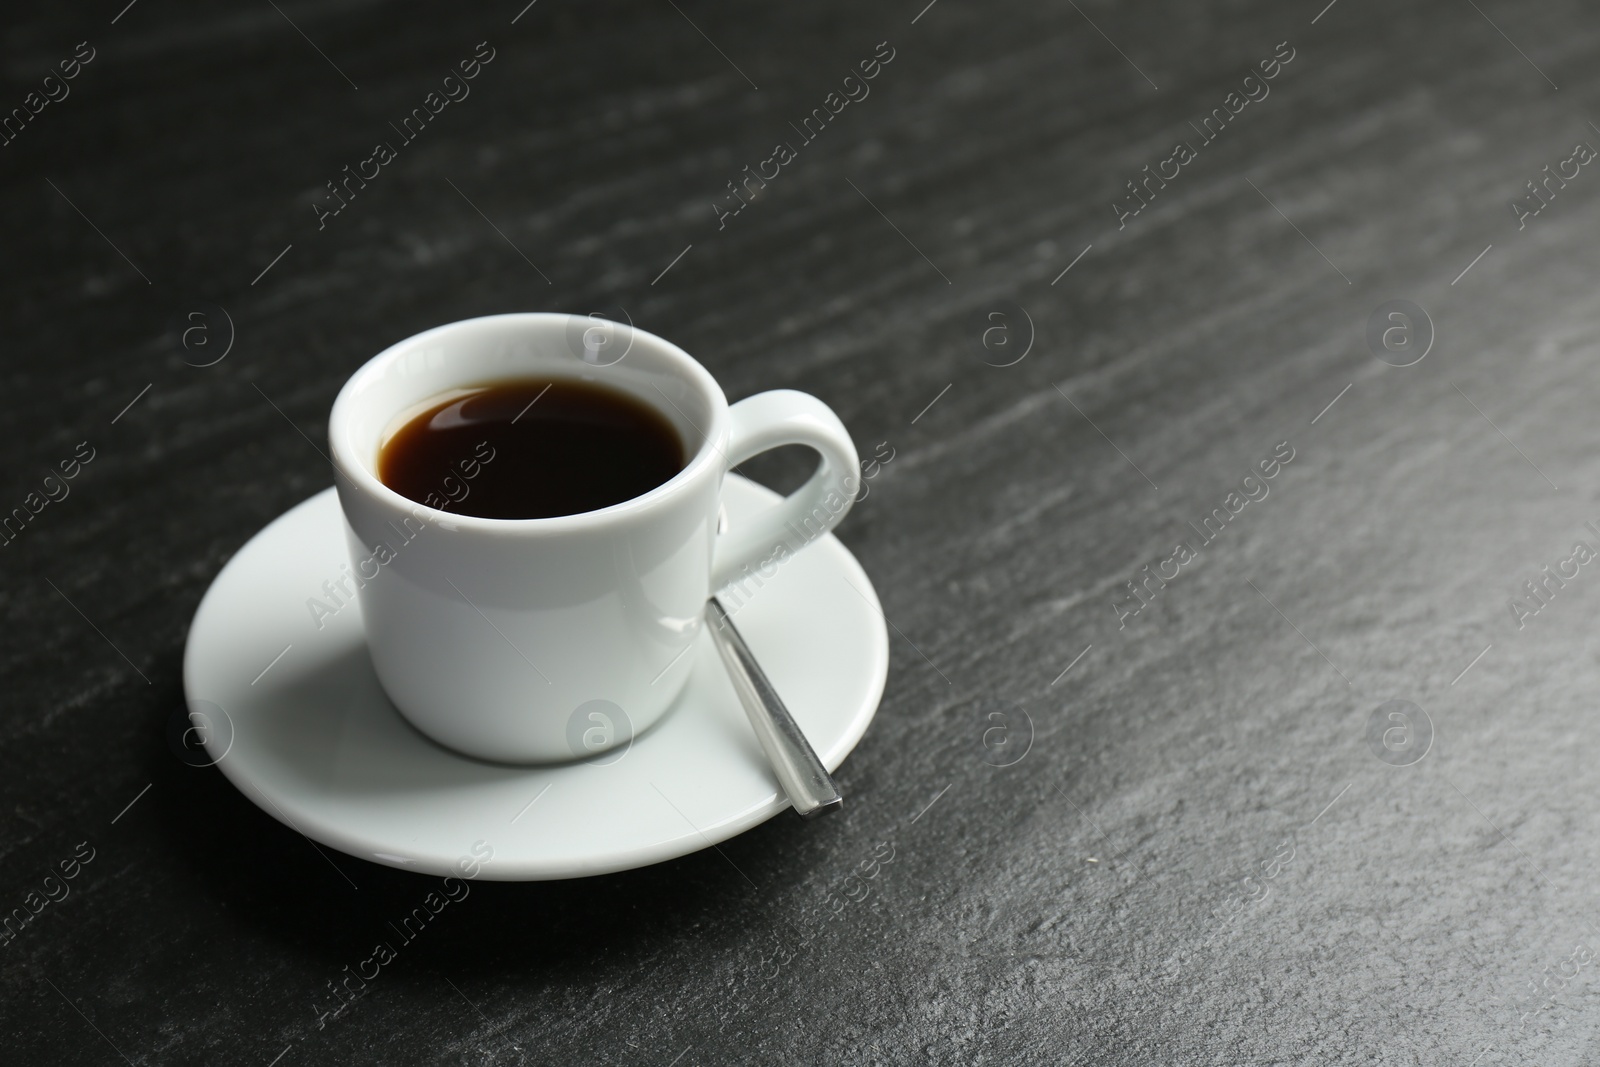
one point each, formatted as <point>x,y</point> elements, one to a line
<point>531,448</point>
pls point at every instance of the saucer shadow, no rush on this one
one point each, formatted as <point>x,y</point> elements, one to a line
<point>329,909</point>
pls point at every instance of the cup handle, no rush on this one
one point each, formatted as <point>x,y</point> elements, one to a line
<point>787,417</point>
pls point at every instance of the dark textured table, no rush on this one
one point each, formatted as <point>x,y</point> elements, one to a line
<point>1308,789</point>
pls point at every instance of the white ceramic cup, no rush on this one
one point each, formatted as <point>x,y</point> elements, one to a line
<point>537,640</point>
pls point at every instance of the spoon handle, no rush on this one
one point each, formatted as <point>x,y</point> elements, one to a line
<point>801,774</point>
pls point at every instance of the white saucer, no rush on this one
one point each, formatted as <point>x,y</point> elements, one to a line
<point>311,738</point>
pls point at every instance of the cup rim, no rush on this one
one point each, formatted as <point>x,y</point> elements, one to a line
<point>362,478</point>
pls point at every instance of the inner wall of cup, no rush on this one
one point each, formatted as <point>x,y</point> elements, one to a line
<point>482,352</point>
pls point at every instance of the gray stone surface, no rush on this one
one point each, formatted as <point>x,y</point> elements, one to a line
<point>1201,855</point>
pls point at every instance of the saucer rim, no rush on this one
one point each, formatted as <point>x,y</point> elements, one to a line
<point>320,829</point>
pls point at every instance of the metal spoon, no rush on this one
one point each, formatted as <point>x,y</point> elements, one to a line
<point>811,789</point>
